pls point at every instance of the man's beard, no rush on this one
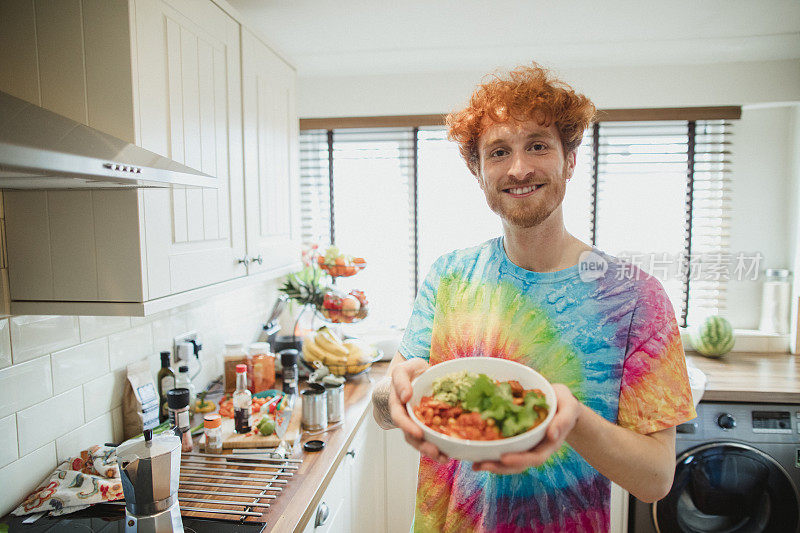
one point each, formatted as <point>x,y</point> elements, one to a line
<point>529,216</point>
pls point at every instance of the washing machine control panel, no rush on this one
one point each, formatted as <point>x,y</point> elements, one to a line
<point>744,422</point>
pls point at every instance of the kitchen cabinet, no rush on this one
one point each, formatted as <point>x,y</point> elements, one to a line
<point>175,77</point>
<point>271,157</point>
<point>355,499</point>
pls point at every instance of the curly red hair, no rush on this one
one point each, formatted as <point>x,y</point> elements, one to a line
<point>526,93</point>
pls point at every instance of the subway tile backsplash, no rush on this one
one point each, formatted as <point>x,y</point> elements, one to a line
<point>62,378</point>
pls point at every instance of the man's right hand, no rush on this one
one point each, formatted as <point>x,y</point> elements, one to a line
<point>402,374</point>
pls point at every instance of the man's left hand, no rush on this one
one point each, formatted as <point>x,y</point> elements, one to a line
<point>567,410</point>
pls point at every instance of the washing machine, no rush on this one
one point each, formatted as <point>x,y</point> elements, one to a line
<point>737,471</point>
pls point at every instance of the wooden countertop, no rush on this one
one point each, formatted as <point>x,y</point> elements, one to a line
<point>297,502</point>
<point>750,377</point>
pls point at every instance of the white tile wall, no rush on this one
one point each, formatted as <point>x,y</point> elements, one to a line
<point>24,385</point>
<point>46,421</point>
<point>5,344</point>
<point>62,378</point>
<point>32,336</point>
<point>9,452</point>
<point>25,474</point>
<point>93,327</point>
<point>97,431</point>
<point>130,346</point>
<point>103,394</point>
<point>79,364</point>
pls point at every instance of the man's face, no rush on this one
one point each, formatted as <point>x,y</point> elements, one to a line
<point>523,171</point>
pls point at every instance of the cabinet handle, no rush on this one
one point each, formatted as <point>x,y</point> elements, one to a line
<point>322,515</point>
<point>243,261</point>
<point>352,454</point>
<point>258,259</point>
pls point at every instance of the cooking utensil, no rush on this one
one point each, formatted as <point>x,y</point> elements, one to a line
<point>149,471</point>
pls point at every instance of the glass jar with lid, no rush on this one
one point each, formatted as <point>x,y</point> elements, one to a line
<point>233,355</point>
<point>262,366</point>
<point>776,301</point>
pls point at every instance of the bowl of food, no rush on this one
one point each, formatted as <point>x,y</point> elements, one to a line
<point>478,408</point>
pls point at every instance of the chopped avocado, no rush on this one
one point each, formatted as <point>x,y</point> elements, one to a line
<point>453,388</point>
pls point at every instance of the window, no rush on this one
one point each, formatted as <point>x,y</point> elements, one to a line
<point>654,192</point>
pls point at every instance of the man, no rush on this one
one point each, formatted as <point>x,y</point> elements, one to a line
<point>606,337</point>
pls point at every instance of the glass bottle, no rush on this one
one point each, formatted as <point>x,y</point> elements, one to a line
<point>242,402</point>
<point>166,382</point>
<point>183,381</point>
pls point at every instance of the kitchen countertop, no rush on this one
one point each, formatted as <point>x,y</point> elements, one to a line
<point>750,377</point>
<point>299,499</point>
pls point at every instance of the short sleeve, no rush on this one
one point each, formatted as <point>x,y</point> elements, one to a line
<point>416,340</point>
<point>654,392</point>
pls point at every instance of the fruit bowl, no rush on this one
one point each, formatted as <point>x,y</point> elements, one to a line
<point>338,316</point>
<point>345,370</point>
<point>343,357</point>
<point>343,271</point>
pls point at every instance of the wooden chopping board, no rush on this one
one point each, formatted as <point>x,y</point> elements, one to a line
<point>231,439</point>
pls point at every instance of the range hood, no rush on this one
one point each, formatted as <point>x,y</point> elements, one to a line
<point>40,149</point>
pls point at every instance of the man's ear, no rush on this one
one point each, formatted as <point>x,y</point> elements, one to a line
<point>572,159</point>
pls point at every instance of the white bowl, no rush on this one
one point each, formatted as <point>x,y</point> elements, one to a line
<point>500,370</point>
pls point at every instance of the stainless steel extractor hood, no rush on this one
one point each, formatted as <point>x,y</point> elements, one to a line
<point>40,149</point>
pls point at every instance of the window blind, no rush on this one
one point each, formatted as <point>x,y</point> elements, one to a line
<point>656,193</point>
<point>662,204</point>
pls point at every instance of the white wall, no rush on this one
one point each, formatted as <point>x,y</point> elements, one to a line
<point>62,377</point>
<point>765,166</point>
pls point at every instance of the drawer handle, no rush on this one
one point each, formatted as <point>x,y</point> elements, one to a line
<point>352,454</point>
<point>322,515</point>
<point>258,259</point>
<point>243,261</point>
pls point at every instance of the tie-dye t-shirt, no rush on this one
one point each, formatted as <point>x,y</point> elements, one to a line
<point>609,333</point>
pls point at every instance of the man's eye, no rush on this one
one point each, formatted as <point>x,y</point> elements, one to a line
<point>538,147</point>
<point>500,152</point>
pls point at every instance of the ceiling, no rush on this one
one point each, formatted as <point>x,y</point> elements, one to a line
<point>372,37</point>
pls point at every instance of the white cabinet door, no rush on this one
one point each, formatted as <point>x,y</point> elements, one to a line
<point>188,108</point>
<point>402,467</point>
<point>368,480</point>
<point>270,157</point>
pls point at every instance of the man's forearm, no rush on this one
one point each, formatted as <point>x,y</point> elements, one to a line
<point>380,403</point>
<point>641,464</point>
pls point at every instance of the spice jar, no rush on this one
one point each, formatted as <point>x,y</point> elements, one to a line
<point>212,427</point>
<point>233,355</point>
<point>178,402</point>
<point>263,367</point>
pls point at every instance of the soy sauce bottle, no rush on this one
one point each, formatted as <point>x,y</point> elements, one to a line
<point>242,402</point>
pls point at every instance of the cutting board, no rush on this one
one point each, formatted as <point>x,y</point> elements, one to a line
<point>231,439</point>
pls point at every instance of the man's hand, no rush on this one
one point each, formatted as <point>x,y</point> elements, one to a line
<point>567,409</point>
<point>402,375</point>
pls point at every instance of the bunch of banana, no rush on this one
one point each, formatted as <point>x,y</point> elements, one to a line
<point>340,356</point>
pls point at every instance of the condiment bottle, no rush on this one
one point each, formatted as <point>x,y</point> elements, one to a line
<point>263,367</point>
<point>212,426</point>
<point>233,355</point>
<point>166,381</point>
<point>242,402</point>
<point>289,364</point>
<point>178,401</point>
<point>182,381</point>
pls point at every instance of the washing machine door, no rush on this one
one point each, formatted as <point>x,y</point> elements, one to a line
<point>730,487</point>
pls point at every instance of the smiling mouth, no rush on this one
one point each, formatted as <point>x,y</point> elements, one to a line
<point>523,191</point>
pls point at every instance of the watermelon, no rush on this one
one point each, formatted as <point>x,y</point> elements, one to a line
<point>713,337</point>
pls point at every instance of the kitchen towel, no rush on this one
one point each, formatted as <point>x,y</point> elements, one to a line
<point>78,482</point>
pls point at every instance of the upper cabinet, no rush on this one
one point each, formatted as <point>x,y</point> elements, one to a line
<point>271,160</point>
<point>175,77</point>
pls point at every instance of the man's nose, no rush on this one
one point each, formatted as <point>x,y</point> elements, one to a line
<point>519,168</point>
